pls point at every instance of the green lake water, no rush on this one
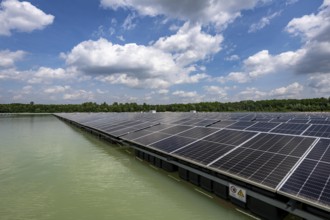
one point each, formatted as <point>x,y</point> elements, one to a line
<point>51,170</point>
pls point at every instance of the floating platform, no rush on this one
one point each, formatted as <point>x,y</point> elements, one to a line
<point>253,160</point>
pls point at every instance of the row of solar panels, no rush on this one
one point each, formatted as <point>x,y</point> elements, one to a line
<point>279,157</point>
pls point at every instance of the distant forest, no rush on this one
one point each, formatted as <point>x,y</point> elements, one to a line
<point>284,105</point>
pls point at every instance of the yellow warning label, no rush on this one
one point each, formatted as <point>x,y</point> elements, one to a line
<point>240,194</point>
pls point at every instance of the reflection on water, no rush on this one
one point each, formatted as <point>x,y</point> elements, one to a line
<point>50,170</point>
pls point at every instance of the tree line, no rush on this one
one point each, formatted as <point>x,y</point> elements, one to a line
<point>283,105</point>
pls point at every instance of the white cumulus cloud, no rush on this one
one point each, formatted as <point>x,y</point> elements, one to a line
<point>8,58</point>
<point>220,92</point>
<point>79,95</point>
<point>185,94</point>
<point>217,12</point>
<point>320,84</point>
<point>158,65</point>
<point>56,89</point>
<point>22,17</point>
<point>190,44</point>
<point>290,91</point>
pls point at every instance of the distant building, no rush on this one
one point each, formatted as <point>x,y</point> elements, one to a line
<point>152,111</point>
<point>193,111</point>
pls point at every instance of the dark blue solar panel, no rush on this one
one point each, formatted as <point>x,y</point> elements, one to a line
<point>299,121</point>
<point>204,152</point>
<point>318,131</point>
<point>241,125</point>
<point>319,121</point>
<point>290,128</point>
<point>282,144</point>
<point>222,124</point>
<point>267,169</point>
<point>279,120</point>
<point>262,126</point>
<point>172,143</point>
<point>135,135</point>
<point>198,132</point>
<point>176,129</point>
<point>159,127</point>
<point>230,137</point>
<point>205,122</point>
<point>151,138</point>
<point>311,180</point>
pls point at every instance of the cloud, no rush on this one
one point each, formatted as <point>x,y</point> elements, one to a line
<point>23,93</point>
<point>314,29</point>
<point>121,38</point>
<point>264,21</point>
<point>291,91</point>
<point>315,58</point>
<point>311,58</point>
<point>163,91</point>
<point>158,65</point>
<point>220,92</point>
<point>234,57</point>
<point>181,96</point>
<point>251,93</point>
<point>320,84</point>
<point>291,2</point>
<point>313,26</point>
<point>190,44</point>
<point>261,64</point>
<point>184,94</point>
<point>8,58</point>
<point>129,22</point>
<point>48,75</point>
<point>79,95</point>
<point>218,13</point>
<point>22,17</point>
<point>56,89</point>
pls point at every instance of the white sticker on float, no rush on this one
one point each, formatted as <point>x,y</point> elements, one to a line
<point>237,192</point>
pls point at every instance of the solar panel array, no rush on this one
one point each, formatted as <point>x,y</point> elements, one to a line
<point>286,153</point>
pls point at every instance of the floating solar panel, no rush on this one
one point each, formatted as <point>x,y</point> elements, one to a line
<point>176,129</point>
<point>262,126</point>
<point>203,152</point>
<point>159,127</point>
<point>264,160</point>
<point>172,143</point>
<point>192,121</point>
<point>206,122</point>
<point>198,132</point>
<point>151,138</point>
<point>290,128</point>
<point>319,122</point>
<point>262,168</point>
<point>230,137</point>
<point>262,119</point>
<point>279,120</point>
<point>241,125</point>
<point>299,121</point>
<point>318,131</point>
<point>222,124</point>
<point>282,144</point>
<point>310,182</point>
<point>135,135</point>
<point>124,131</point>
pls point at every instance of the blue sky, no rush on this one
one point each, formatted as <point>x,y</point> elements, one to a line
<point>163,51</point>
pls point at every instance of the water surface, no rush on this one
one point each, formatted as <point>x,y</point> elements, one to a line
<point>51,170</point>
